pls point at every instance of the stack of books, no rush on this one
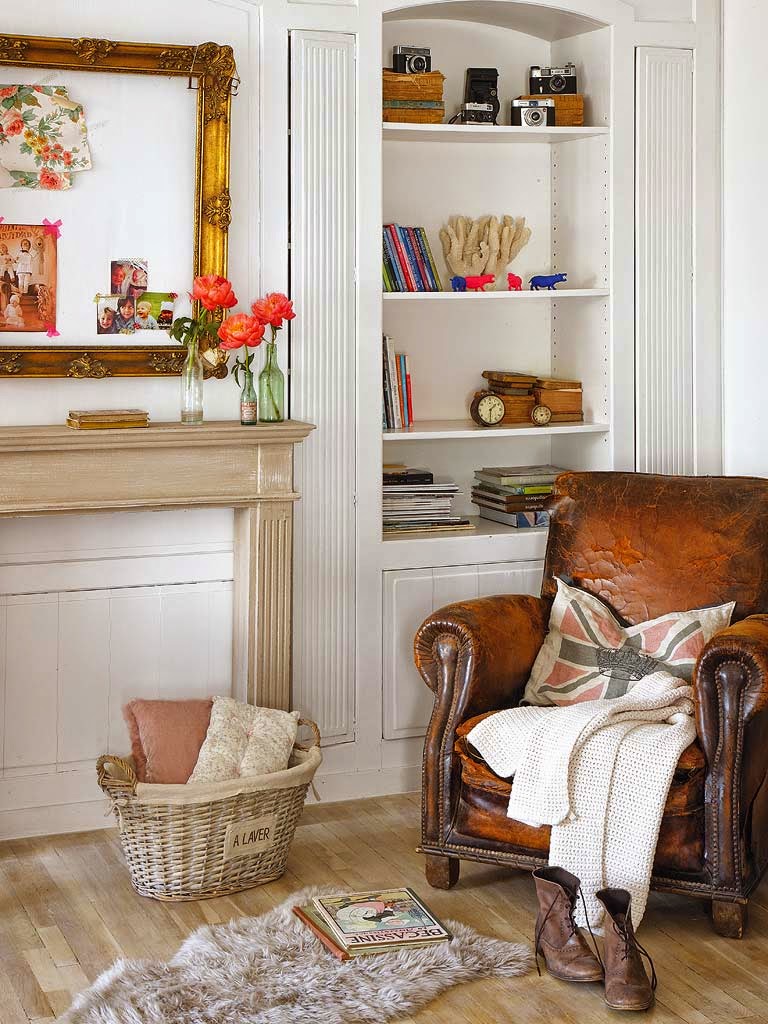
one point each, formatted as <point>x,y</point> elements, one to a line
<point>407,261</point>
<point>514,495</point>
<point>563,397</point>
<point>397,398</point>
<point>366,923</point>
<point>107,419</point>
<point>414,502</point>
<point>413,99</point>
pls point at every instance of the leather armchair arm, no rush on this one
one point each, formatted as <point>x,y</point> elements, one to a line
<point>475,656</point>
<point>731,690</point>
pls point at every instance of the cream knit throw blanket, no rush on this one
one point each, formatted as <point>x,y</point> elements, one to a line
<point>599,773</point>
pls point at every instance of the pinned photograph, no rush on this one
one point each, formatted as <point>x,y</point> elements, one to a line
<point>106,314</point>
<point>27,278</point>
<point>128,277</point>
<point>154,311</point>
<point>125,321</point>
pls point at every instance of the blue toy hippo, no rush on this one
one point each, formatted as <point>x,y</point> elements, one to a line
<point>459,284</point>
<point>548,282</point>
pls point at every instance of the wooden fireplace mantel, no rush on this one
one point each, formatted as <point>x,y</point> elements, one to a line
<point>52,469</point>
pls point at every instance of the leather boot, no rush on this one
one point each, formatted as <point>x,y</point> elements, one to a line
<point>565,950</point>
<point>626,984</point>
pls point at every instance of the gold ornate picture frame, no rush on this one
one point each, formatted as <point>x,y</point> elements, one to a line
<point>210,69</point>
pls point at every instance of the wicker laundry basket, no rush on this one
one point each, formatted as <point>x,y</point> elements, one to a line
<point>193,842</point>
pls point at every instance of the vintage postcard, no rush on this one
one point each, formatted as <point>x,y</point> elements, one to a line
<point>154,311</point>
<point>27,278</point>
<point>380,918</point>
<point>128,277</point>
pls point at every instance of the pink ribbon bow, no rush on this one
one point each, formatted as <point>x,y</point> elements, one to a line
<point>52,228</point>
<point>50,330</point>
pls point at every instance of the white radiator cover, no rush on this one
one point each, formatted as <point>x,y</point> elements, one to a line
<point>323,368</point>
<point>664,345</point>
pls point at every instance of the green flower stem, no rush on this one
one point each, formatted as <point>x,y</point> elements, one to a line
<point>271,393</point>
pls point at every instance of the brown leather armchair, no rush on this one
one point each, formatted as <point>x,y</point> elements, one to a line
<point>646,545</point>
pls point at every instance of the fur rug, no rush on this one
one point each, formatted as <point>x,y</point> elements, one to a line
<point>272,970</point>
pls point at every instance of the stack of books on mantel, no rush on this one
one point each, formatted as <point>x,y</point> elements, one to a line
<point>514,495</point>
<point>414,502</point>
<point>107,419</point>
<point>365,923</point>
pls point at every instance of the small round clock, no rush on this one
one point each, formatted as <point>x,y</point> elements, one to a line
<point>487,409</point>
<point>541,415</point>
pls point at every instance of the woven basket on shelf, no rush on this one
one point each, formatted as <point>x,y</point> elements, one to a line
<point>208,839</point>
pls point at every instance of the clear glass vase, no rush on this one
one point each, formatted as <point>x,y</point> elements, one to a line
<point>271,388</point>
<point>248,401</point>
<point>192,386</point>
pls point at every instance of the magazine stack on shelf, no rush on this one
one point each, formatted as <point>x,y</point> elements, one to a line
<point>514,495</point>
<point>365,923</point>
<point>413,501</point>
<point>407,262</point>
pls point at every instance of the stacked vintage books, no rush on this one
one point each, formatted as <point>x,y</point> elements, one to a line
<point>414,502</point>
<point>413,99</point>
<point>365,923</point>
<point>563,397</point>
<point>521,392</point>
<point>106,419</point>
<point>514,495</point>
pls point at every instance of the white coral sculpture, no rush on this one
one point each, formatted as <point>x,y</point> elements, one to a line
<point>483,246</point>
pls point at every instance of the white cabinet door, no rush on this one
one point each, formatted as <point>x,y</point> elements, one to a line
<point>410,595</point>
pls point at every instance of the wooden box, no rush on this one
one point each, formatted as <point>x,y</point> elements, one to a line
<point>428,86</point>
<point>569,110</point>
<point>414,115</point>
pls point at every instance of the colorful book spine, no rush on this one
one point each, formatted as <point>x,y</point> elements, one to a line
<point>414,244</point>
<point>390,254</point>
<point>385,277</point>
<point>401,258</point>
<point>397,419</point>
<point>404,390</point>
<point>430,258</point>
<point>389,416</point>
<point>408,392</point>
<point>411,264</point>
<point>418,238</point>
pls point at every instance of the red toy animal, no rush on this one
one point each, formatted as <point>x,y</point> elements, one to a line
<point>477,284</point>
<point>515,283</point>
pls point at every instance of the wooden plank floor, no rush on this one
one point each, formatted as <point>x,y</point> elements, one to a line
<point>67,910</point>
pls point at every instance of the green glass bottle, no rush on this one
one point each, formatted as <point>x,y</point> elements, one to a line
<point>248,402</point>
<point>271,388</point>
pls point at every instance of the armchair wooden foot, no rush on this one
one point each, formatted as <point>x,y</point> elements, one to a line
<point>442,872</point>
<point>729,919</point>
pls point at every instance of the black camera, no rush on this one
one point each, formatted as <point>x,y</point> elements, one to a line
<point>533,113</point>
<point>481,94</point>
<point>411,60</point>
<point>553,81</point>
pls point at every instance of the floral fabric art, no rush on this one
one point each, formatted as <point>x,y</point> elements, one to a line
<point>43,137</point>
<point>589,655</point>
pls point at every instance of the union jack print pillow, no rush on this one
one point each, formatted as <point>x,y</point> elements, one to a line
<point>588,655</point>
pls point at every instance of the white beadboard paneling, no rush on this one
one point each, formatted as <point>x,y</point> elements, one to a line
<point>30,681</point>
<point>134,654</point>
<point>409,597</point>
<point>3,650</point>
<point>323,375</point>
<point>665,264</point>
<point>83,676</point>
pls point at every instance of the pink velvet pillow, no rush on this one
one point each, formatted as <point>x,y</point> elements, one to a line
<point>166,736</point>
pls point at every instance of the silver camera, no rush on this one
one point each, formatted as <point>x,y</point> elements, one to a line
<point>411,60</point>
<point>533,113</point>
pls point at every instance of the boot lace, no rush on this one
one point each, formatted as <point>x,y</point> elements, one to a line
<point>629,940</point>
<point>571,922</point>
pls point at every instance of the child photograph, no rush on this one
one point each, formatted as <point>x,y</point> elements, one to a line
<point>125,321</point>
<point>27,278</point>
<point>106,314</point>
<point>152,311</point>
<point>128,277</point>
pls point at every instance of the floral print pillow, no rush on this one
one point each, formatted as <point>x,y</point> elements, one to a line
<point>43,138</point>
<point>243,741</point>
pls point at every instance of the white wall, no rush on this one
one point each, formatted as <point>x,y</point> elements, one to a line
<point>745,222</point>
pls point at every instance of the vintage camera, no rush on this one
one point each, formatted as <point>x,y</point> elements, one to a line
<point>533,113</point>
<point>411,60</point>
<point>477,113</point>
<point>481,90</point>
<point>553,81</point>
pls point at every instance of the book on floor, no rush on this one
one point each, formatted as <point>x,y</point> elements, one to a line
<point>375,921</point>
